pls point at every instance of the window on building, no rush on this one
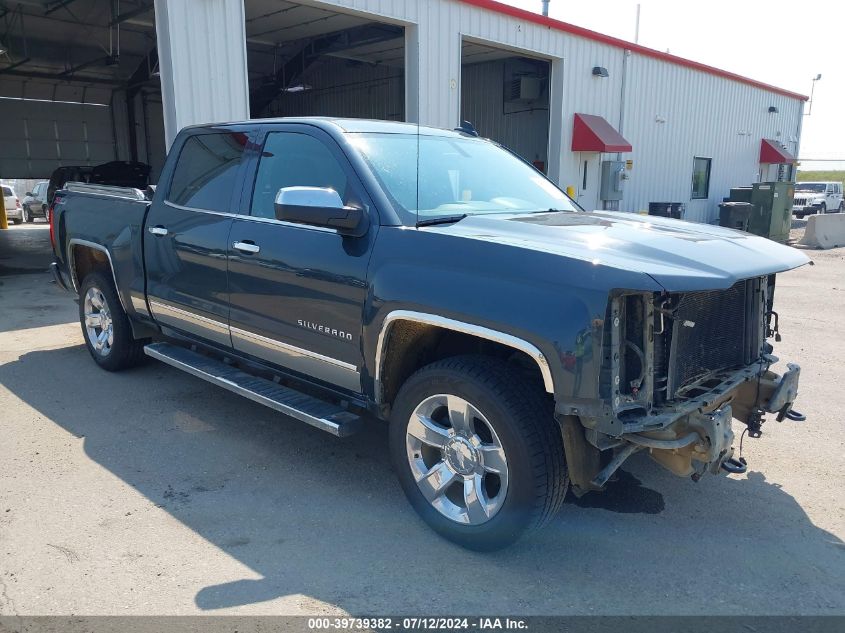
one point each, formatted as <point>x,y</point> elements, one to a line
<point>700,178</point>
<point>206,172</point>
<point>290,159</point>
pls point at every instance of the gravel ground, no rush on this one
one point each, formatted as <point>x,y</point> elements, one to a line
<point>152,492</point>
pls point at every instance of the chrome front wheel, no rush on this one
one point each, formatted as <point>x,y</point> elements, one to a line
<point>457,459</point>
<point>99,327</point>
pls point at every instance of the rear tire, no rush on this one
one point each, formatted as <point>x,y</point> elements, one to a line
<point>477,451</point>
<point>105,326</point>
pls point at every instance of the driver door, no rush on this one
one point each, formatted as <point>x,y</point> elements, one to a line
<point>297,292</point>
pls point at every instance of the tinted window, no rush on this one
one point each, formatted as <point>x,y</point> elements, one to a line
<point>7,191</point>
<point>290,159</point>
<point>206,173</point>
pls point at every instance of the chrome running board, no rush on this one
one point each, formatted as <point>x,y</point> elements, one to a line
<point>305,408</point>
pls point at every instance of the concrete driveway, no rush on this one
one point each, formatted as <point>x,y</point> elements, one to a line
<point>152,492</point>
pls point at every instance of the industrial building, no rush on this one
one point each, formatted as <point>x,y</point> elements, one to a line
<point>88,81</point>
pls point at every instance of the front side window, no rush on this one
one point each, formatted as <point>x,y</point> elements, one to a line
<point>429,176</point>
<point>207,169</point>
<point>291,159</point>
<point>700,178</point>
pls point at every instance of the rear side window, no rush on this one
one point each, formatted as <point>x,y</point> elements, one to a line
<point>207,169</point>
<point>7,191</point>
<point>290,159</point>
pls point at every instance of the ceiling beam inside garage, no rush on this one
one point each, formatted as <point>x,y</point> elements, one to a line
<point>310,51</point>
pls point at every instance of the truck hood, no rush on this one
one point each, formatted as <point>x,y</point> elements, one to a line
<point>676,254</point>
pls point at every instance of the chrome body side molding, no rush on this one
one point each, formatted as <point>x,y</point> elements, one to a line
<point>457,326</point>
<point>216,331</point>
<point>325,368</point>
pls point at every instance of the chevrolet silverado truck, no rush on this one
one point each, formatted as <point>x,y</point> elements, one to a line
<point>518,347</point>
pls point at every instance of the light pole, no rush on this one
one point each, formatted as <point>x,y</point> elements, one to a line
<point>812,90</point>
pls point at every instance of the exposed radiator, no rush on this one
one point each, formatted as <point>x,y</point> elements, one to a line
<point>708,334</point>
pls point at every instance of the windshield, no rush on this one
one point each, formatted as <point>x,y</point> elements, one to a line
<point>456,176</point>
<point>815,187</point>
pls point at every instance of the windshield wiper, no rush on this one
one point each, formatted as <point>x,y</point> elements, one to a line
<point>445,219</point>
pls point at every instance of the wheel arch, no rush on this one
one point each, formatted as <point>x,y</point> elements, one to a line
<point>403,330</point>
<point>85,257</point>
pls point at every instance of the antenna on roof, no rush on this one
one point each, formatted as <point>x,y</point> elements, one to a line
<point>467,128</point>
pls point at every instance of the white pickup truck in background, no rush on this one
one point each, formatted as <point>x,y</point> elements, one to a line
<point>817,197</point>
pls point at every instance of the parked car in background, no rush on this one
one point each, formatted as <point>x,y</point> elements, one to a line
<point>35,203</point>
<point>14,211</point>
<point>817,197</point>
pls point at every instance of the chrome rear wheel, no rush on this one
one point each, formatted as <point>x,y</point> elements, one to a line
<point>99,327</point>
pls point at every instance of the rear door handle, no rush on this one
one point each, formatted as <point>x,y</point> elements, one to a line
<point>246,247</point>
<point>158,230</point>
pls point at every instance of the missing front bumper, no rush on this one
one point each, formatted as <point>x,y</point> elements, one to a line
<point>702,440</point>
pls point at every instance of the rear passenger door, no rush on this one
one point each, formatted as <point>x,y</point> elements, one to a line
<point>297,292</point>
<point>186,235</point>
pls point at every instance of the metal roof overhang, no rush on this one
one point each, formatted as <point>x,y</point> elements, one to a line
<point>772,153</point>
<point>592,133</point>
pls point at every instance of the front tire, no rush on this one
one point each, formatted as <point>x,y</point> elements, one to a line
<point>822,208</point>
<point>477,451</point>
<point>105,326</point>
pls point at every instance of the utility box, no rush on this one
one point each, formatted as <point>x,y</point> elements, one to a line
<point>613,177</point>
<point>772,213</point>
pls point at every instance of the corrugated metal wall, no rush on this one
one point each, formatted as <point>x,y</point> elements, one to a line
<point>339,87</point>
<point>705,115</point>
<point>202,59</point>
<point>523,128</point>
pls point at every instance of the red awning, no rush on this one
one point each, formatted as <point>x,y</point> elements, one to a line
<point>771,152</point>
<point>591,133</point>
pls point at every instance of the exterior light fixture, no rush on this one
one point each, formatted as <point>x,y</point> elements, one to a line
<point>812,90</point>
<point>773,110</point>
<point>600,71</point>
<point>3,49</point>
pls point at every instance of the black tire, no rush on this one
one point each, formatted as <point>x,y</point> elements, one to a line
<point>822,209</point>
<point>124,351</point>
<point>842,206</point>
<point>521,416</point>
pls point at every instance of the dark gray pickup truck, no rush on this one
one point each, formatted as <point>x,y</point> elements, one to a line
<point>338,269</point>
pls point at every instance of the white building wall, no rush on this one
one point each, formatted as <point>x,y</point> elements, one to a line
<point>704,113</point>
<point>202,60</point>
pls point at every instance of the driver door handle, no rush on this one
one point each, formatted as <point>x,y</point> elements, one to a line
<point>158,230</point>
<point>246,247</point>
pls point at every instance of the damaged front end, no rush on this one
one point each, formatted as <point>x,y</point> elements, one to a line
<point>678,367</point>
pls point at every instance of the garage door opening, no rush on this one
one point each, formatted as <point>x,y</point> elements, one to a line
<point>506,98</point>
<point>310,61</point>
<point>78,86</point>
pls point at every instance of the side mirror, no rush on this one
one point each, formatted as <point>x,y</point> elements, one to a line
<point>318,206</point>
<point>29,193</point>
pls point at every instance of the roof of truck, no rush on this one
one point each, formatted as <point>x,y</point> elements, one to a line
<point>347,125</point>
